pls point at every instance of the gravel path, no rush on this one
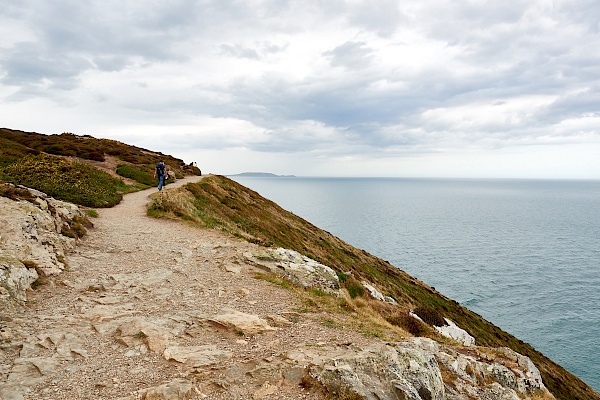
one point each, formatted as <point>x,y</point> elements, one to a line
<point>137,286</point>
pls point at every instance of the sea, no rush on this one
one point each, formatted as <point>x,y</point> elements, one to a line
<point>524,254</point>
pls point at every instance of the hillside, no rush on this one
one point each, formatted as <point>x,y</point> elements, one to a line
<point>81,169</point>
<point>218,306</point>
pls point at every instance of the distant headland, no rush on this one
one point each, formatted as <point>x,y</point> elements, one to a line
<point>262,175</point>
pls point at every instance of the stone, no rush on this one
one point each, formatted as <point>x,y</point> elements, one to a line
<point>15,277</point>
<point>177,389</point>
<point>134,330</point>
<point>32,232</point>
<point>382,372</point>
<point>376,294</point>
<point>241,322</point>
<point>196,356</point>
<point>278,321</point>
<point>452,331</point>
<point>11,395</point>
<point>300,269</point>
<point>265,390</point>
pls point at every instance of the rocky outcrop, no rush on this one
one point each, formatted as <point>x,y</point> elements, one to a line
<point>300,269</point>
<point>453,331</point>
<point>36,234</point>
<point>376,294</point>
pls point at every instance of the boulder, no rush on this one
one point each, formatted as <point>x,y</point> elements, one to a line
<point>386,372</point>
<point>177,389</point>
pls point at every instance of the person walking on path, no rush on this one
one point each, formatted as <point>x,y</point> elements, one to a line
<point>160,172</point>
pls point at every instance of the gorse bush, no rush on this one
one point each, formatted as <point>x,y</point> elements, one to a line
<point>74,182</point>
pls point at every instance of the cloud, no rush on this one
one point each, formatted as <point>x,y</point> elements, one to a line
<point>333,80</point>
<point>351,55</point>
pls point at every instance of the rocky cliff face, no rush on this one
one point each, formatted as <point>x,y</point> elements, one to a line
<point>37,232</point>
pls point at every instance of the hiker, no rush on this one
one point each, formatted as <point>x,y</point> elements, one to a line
<point>161,173</point>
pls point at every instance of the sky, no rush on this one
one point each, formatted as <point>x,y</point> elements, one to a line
<point>413,88</point>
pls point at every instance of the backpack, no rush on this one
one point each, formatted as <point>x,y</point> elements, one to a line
<point>160,169</point>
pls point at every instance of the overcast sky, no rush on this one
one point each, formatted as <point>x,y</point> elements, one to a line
<point>444,88</point>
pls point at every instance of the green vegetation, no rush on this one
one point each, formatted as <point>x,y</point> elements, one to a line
<point>70,181</point>
<point>220,203</point>
<point>14,145</point>
<point>143,174</point>
<point>74,168</point>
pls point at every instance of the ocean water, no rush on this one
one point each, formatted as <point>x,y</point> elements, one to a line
<point>524,254</point>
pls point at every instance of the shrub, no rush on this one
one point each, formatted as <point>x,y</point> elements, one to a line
<point>355,290</point>
<point>431,316</point>
<point>74,182</point>
<point>341,276</point>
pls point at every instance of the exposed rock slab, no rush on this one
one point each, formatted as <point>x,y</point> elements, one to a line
<point>241,322</point>
<point>299,269</point>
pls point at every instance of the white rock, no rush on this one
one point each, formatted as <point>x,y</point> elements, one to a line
<point>376,294</point>
<point>452,331</point>
<point>299,269</point>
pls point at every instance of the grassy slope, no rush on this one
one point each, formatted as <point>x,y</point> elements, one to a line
<point>218,202</point>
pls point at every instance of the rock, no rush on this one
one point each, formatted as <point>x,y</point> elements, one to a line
<point>382,372</point>
<point>175,390</point>
<point>196,356</point>
<point>376,294</point>
<point>15,277</point>
<point>488,373</point>
<point>11,395</point>
<point>132,331</point>
<point>241,322</point>
<point>412,370</point>
<point>32,231</point>
<point>452,331</point>
<point>298,268</point>
<point>265,390</point>
<point>279,321</point>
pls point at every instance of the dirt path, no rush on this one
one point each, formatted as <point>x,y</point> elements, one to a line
<point>136,310</point>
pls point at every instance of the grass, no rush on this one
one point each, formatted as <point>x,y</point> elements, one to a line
<point>143,174</point>
<point>220,203</point>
